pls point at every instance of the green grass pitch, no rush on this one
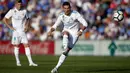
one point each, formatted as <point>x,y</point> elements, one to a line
<point>73,64</point>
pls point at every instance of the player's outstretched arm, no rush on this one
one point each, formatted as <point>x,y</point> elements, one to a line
<point>57,23</point>
<point>5,20</point>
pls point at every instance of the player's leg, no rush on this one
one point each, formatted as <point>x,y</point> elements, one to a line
<point>28,54</point>
<point>65,47</point>
<point>65,52</point>
<point>62,57</point>
<point>27,50</point>
<point>16,53</point>
<point>15,41</point>
<point>73,37</point>
<point>65,39</point>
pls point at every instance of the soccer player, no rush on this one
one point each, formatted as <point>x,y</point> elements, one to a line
<point>20,22</point>
<point>71,31</point>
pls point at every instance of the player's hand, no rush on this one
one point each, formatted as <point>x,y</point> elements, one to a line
<point>25,29</point>
<point>79,33</point>
<point>12,28</point>
<point>49,34</point>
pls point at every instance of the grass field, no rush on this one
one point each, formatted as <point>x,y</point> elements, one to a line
<point>73,64</point>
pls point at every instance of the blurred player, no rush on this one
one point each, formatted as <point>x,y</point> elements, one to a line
<point>71,31</point>
<point>20,22</point>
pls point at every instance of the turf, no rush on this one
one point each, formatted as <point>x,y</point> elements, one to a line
<point>73,64</point>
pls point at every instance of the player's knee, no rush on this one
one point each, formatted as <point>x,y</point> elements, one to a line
<point>26,45</point>
<point>65,33</point>
<point>15,45</point>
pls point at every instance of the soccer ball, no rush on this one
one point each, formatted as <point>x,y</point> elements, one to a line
<point>118,16</point>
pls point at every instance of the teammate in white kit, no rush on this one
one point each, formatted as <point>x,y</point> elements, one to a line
<point>71,30</point>
<point>20,22</point>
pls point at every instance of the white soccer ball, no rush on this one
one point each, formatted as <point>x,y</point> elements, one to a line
<point>118,16</point>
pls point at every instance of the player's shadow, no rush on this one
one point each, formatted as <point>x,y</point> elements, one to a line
<point>104,70</point>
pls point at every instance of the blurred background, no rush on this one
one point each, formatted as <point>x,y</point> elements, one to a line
<point>98,14</point>
<point>104,46</point>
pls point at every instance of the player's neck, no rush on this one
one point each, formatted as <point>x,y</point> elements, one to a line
<point>17,8</point>
<point>68,14</point>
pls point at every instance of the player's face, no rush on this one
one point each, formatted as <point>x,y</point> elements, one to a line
<point>67,9</point>
<point>18,6</point>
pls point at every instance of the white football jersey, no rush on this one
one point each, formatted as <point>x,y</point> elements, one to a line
<point>70,22</point>
<point>18,18</point>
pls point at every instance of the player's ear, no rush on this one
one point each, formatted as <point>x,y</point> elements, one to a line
<point>62,7</point>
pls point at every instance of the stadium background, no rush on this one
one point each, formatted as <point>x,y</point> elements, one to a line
<point>104,46</point>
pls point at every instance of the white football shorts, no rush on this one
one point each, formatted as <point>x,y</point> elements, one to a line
<point>19,37</point>
<point>72,39</point>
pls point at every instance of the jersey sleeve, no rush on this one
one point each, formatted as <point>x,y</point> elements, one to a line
<point>57,23</point>
<point>9,14</point>
<point>27,15</point>
<point>81,19</point>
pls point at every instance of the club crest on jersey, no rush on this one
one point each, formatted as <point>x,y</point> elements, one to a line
<point>67,20</point>
<point>70,20</point>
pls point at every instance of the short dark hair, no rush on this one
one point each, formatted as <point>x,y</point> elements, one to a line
<point>66,3</point>
<point>18,1</point>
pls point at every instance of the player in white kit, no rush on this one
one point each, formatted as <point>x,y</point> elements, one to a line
<point>71,30</point>
<point>20,22</point>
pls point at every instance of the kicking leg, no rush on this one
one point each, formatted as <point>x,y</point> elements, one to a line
<point>65,39</point>
<point>72,40</point>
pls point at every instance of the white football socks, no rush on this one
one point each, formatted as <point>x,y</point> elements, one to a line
<point>16,53</point>
<point>65,41</point>
<point>28,54</point>
<point>65,46</point>
<point>61,60</point>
